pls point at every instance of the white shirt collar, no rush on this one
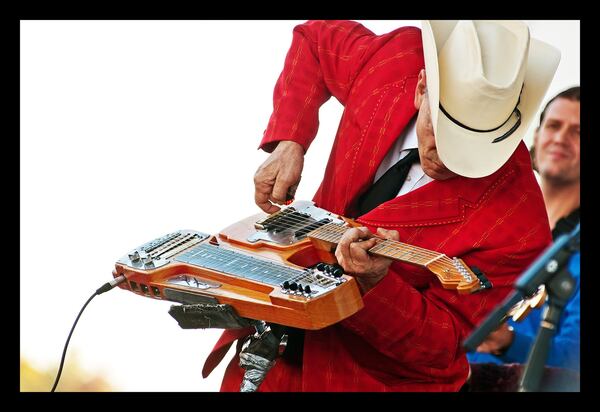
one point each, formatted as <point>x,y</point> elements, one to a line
<point>407,140</point>
<point>410,140</point>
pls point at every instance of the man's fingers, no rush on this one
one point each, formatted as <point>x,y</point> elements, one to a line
<point>388,234</point>
<point>263,186</point>
<point>282,187</point>
<point>342,252</point>
<point>360,248</point>
<point>352,235</point>
<point>350,251</point>
<point>277,178</point>
<point>358,251</point>
<point>261,198</point>
<point>267,206</point>
<point>483,348</point>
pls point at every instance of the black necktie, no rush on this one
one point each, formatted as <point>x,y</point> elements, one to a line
<point>388,185</point>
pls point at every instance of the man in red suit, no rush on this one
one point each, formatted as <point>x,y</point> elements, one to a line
<point>463,94</point>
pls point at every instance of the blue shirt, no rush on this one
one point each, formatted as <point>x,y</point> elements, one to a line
<point>565,347</point>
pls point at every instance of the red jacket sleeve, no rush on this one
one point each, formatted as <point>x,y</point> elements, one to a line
<point>402,323</point>
<point>323,60</point>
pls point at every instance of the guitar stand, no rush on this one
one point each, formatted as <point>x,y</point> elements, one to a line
<point>259,351</point>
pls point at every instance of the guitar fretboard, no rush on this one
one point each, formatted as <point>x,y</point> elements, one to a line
<point>387,248</point>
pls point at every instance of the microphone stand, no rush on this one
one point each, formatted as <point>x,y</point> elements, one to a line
<point>559,289</point>
<point>550,269</point>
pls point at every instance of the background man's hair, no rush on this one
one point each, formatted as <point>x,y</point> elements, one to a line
<point>569,94</point>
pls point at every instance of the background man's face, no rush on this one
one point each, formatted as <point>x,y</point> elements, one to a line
<point>556,142</point>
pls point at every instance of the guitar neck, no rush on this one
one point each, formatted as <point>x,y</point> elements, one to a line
<point>452,273</point>
<point>392,249</point>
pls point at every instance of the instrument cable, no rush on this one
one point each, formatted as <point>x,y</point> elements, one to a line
<point>104,288</point>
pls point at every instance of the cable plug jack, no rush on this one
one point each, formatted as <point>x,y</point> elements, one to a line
<point>109,285</point>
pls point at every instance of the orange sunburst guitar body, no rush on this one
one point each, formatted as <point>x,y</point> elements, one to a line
<point>279,268</point>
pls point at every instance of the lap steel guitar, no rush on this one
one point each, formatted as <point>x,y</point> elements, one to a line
<point>279,268</point>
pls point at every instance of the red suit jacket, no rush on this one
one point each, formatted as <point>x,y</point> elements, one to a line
<point>408,335</point>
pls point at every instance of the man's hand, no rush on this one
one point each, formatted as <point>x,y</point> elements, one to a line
<point>351,254</point>
<point>498,341</point>
<point>278,175</point>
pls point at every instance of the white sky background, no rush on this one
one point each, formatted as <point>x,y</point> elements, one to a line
<point>131,130</point>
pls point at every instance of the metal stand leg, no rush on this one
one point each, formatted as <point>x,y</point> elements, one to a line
<point>560,288</point>
<point>259,354</point>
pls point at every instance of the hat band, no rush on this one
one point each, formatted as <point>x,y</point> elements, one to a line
<point>497,139</point>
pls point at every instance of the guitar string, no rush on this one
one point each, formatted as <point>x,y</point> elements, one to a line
<point>214,253</point>
<point>399,251</point>
<point>265,268</point>
<point>331,225</point>
<point>438,263</point>
<point>216,259</point>
<point>332,232</point>
<point>386,247</point>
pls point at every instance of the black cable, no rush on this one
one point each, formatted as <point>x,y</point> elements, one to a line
<point>104,288</point>
<point>62,361</point>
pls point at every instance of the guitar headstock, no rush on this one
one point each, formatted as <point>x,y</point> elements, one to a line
<point>456,274</point>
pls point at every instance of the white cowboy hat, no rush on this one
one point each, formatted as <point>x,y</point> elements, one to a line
<point>485,82</point>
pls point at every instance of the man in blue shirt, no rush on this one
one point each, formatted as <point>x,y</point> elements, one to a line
<point>556,157</point>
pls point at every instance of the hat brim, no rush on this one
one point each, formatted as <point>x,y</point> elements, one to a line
<point>472,154</point>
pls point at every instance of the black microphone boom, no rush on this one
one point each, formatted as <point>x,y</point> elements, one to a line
<point>555,257</point>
